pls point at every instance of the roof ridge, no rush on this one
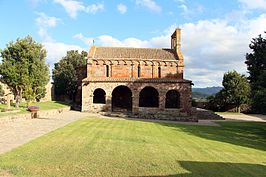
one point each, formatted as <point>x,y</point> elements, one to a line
<point>134,48</point>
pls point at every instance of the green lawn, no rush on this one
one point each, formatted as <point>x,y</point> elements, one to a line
<point>23,108</point>
<point>106,147</point>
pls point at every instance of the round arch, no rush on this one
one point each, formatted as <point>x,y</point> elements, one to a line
<point>172,99</point>
<point>122,99</point>
<point>99,96</point>
<point>149,97</point>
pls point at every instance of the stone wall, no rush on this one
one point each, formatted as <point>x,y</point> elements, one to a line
<point>183,87</point>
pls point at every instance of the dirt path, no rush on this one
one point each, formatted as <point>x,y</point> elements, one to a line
<point>14,134</point>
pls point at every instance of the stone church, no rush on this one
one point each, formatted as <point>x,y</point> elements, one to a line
<point>141,81</point>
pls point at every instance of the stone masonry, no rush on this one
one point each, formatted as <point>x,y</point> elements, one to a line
<point>136,80</point>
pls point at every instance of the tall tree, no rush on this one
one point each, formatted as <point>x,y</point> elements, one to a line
<point>236,91</point>
<point>65,74</point>
<point>237,88</point>
<point>24,70</point>
<point>256,65</point>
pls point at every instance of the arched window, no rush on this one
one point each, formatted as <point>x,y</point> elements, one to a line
<point>159,72</point>
<point>107,71</point>
<point>172,99</point>
<point>139,71</point>
<point>99,96</point>
<point>149,97</point>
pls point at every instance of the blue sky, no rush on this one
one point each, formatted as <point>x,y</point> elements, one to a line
<point>215,34</point>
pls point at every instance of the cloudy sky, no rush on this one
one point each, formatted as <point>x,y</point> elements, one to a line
<point>215,34</point>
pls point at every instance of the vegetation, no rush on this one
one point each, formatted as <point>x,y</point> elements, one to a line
<point>256,65</point>
<point>2,92</point>
<point>236,91</point>
<point>106,147</point>
<point>65,75</point>
<point>24,70</point>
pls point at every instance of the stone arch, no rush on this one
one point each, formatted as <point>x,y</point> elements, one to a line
<point>172,99</point>
<point>148,97</point>
<point>99,96</point>
<point>122,99</point>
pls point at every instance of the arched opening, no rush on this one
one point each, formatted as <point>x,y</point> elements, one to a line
<point>159,72</point>
<point>107,71</point>
<point>122,99</point>
<point>149,97</point>
<point>139,71</point>
<point>99,96</point>
<point>172,99</point>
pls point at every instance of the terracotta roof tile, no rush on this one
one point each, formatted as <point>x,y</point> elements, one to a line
<point>134,53</point>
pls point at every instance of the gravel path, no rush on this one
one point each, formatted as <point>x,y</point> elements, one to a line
<point>14,134</point>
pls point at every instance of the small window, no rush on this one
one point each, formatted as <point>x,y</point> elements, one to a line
<point>159,72</point>
<point>139,71</point>
<point>107,70</point>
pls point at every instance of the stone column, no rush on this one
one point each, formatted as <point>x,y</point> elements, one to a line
<point>109,102</point>
<point>161,101</point>
<point>135,104</point>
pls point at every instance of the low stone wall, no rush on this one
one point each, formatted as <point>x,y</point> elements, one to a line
<point>41,114</point>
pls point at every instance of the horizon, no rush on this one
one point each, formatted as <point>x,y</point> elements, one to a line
<point>215,36</point>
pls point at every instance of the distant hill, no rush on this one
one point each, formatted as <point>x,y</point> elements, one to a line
<point>207,90</point>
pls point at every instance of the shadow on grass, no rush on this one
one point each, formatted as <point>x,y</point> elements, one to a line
<point>246,134</point>
<point>219,169</point>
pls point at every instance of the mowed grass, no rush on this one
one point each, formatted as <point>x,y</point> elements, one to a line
<point>109,147</point>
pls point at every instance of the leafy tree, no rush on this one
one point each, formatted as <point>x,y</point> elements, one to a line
<point>237,88</point>
<point>256,65</point>
<point>65,74</point>
<point>24,70</point>
<point>2,92</point>
<point>236,91</point>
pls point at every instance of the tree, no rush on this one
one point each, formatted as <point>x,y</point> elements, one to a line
<point>236,91</point>
<point>237,88</point>
<point>23,69</point>
<point>256,65</point>
<point>65,74</point>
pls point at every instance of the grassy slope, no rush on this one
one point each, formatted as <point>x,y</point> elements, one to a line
<point>103,147</point>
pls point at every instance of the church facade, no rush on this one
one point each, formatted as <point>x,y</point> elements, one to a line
<point>144,81</point>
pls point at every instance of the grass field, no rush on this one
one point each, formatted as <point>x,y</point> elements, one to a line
<point>107,147</point>
<point>23,108</point>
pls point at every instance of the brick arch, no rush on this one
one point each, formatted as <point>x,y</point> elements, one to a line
<point>172,99</point>
<point>122,99</point>
<point>149,97</point>
<point>99,96</point>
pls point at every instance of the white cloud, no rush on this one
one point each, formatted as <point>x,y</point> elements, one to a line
<point>56,50</point>
<point>210,47</point>
<point>188,11</point>
<point>72,7</point>
<point>87,41</point>
<point>122,8</point>
<point>94,8</point>
<point>150,4</point>
<point>254,4</point>
<point>46,21</point>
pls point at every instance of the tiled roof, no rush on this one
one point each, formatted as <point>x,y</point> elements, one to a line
<point>134,53</point>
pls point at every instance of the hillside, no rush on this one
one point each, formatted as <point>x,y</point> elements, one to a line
<point>207,91</point>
